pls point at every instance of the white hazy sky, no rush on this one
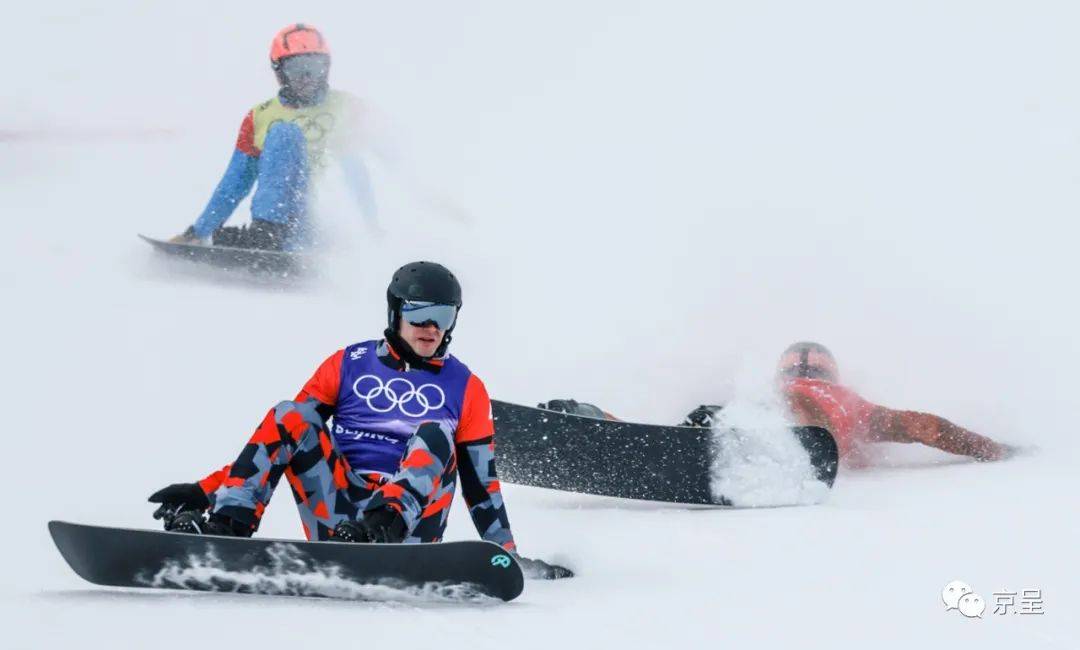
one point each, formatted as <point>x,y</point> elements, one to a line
<point>665,192</point>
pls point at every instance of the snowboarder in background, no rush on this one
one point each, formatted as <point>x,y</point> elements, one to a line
<point>283,146</point>
<point>808,382</point>
<point>373,444</point>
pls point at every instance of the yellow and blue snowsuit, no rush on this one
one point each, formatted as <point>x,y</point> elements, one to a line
<point>283,148</point>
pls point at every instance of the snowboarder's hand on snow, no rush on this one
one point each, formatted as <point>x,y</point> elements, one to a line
<point>1002,451</point>
<point>178,497</point>
<point>541,570</point>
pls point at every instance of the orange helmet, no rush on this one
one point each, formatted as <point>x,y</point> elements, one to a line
<point>808,360</point>
<point>297,39</point>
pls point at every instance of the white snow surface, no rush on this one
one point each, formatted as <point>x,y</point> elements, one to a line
<point>290,573</point>
<point>646,201</point>
<point>758,462</point>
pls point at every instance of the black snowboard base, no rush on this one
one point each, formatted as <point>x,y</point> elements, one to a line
<point>226,257</point>
<point>561,451</point>
<point>125,557</point>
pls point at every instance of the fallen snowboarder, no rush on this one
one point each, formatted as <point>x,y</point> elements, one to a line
<point>808,381</point>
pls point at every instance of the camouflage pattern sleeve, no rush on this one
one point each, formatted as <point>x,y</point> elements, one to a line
<point>323,385</point>
<point>475,443</point>
<point>214,480</point>
<point>480,486</point>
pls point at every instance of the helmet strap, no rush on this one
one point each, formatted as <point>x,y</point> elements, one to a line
<point>409,356</point>
<point>447,337</point>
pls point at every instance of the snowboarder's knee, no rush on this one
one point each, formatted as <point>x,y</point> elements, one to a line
<point>282,408</point>
<point>291,415</point>
<point>438,441</point>
<point>284,135</point>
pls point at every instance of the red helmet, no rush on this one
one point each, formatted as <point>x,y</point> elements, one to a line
<point>297,39</point>
<point>808,360</point>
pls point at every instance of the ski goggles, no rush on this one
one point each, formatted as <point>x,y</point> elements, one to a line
<point>421,313</point>
<point>305,66</point>
<point>809,372</point>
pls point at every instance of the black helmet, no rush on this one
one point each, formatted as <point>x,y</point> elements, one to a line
<point>422,281</point>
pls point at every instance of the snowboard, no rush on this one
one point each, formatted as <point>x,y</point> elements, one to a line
<point>227,257</point>
<point>691,465</point>
<point>125,557</point>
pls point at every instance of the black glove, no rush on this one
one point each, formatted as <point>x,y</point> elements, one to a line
<point>573,407</point>
<point>380,526</point>
<point>196,522</point>
<point>703,416</point>
<point>384,526</point>
<point>1002,451</point>
<point>541,570</point>
<point>178,497</point>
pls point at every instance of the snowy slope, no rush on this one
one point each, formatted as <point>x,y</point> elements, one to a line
<point>657,197</point>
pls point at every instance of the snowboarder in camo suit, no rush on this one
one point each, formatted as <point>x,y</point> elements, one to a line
<point>373,444</point>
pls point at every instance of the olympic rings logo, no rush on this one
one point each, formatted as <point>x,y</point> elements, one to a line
<point>315,127</point>
<point>400,393</point>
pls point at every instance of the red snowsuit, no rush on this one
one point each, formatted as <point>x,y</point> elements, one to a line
<point>853,421</point>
